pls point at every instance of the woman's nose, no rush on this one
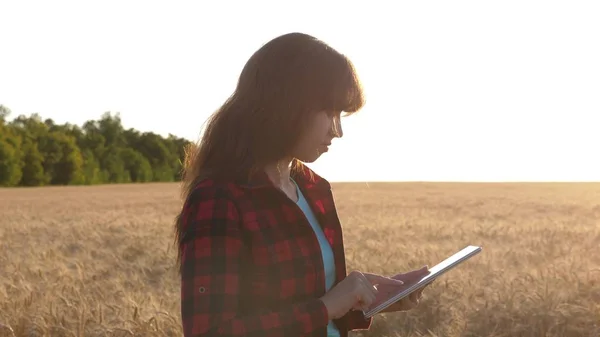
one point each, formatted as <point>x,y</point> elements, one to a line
<point>337,128</point>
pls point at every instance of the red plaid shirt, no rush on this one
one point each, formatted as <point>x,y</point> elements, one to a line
<point>252,265</point>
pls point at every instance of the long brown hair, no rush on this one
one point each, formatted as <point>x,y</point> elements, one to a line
<point>284,81</point>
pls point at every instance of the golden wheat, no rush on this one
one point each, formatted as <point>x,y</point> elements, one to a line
<point>98,261</point>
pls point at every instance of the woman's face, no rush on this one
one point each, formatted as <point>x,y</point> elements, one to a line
<point>322,128</point>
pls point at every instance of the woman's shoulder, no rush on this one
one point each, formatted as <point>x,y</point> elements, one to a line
<point>211,198</point>
<point>213,188</point>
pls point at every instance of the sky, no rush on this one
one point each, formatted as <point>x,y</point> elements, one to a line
<point>456,90</point>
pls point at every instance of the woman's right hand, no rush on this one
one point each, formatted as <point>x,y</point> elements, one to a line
<point>356,291</point>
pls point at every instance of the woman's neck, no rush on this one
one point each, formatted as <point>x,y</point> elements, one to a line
<point>279,174</point>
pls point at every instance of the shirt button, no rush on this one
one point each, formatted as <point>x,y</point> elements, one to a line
<point>202,290</point>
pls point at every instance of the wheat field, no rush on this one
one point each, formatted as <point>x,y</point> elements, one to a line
<point>99,261</point>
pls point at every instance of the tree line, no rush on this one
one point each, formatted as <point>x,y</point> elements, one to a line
<point>37,152</point>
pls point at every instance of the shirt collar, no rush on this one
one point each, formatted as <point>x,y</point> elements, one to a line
<point>304,177</point>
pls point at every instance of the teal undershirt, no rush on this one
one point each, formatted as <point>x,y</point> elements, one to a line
<point>327,253</point>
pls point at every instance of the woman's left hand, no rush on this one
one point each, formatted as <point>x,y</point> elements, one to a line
<point>411,301</point>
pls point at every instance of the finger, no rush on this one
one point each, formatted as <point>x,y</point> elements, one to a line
<point>418,272</point>
<point>373,291</point>
<point>360,305</point>
<point>370,288</point>
<point>370,292</point>
<point>365,293</point>
<point>358,290</point>
<point>407,303</point>
<point>363,304</point>
<point>417,294</point>
<point>412,276</point>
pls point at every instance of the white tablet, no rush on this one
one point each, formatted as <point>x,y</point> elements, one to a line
<point>434,273</point>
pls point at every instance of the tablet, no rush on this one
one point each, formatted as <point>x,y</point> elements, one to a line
<point>434,272</point>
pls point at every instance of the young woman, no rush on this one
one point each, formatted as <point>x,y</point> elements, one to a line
<point>261,249</point>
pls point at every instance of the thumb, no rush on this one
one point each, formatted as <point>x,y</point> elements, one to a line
<point>423,271</point>
<point>382,280</point>
<point>418,272</point>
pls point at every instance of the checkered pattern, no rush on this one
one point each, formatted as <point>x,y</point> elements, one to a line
<point>252,265</point>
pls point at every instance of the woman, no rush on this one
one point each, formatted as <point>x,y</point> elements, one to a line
<point>261,250</point>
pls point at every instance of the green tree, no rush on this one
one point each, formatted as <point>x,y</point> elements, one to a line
<point>113,167</point>
<point>10,164</point>
<point>10,156</point>
<point>91,168</point>
<point>32,168</point>
<point>36,152</point>
<point>137,165</point>
<point>62,159</point>
<point>153,147</point>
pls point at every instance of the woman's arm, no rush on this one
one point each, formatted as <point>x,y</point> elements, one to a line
<point>210,281</point>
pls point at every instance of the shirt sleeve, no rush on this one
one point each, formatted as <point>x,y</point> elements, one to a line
<point>211,282</point>
<point>356,320</point>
